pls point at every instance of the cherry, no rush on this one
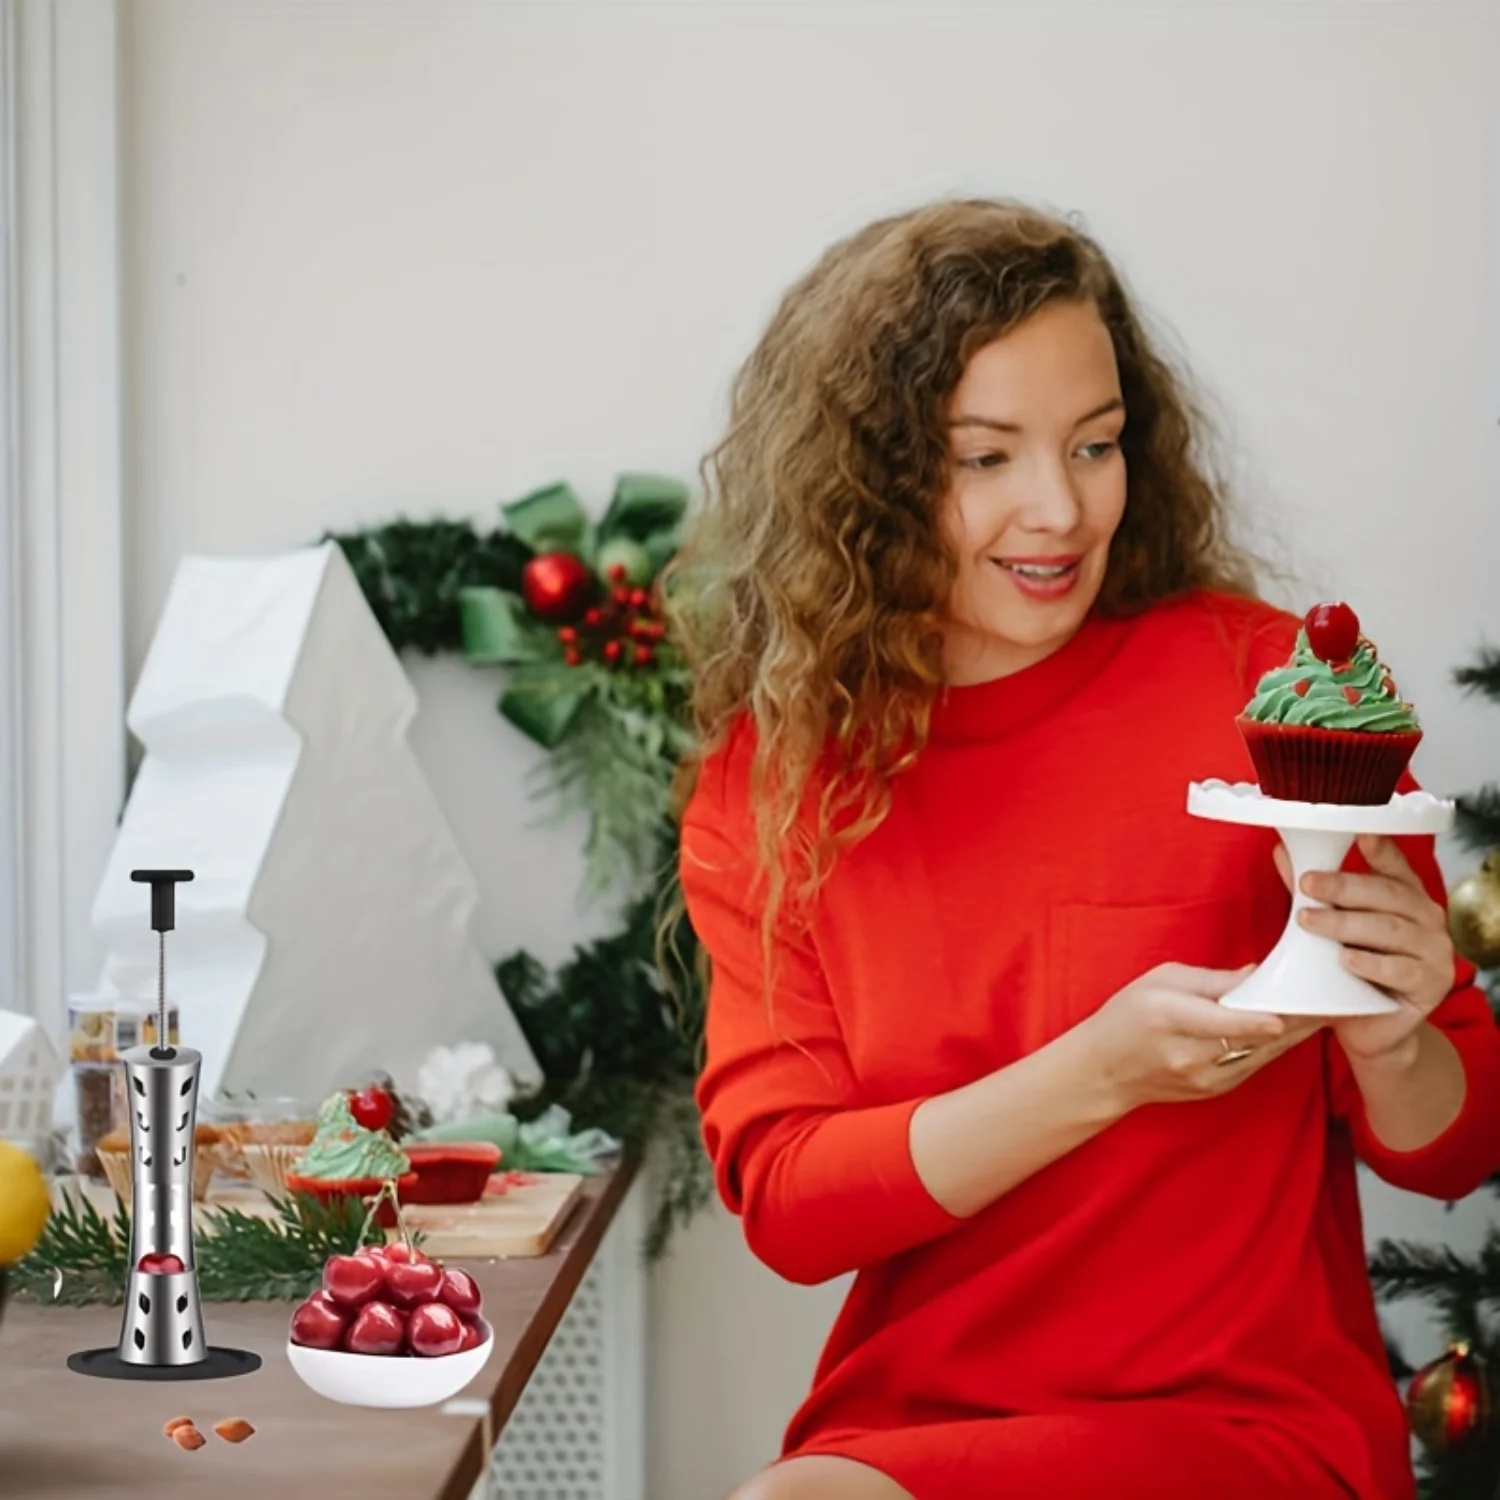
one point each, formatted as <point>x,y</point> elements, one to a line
<point>461,1292</point>
<point>473,1337</point>
<point>352,1279</point>
<point>160,1265</point>
<point>412,1282</point>
<point>434,1330</point>
<point>378,1328</point>
<point>400,1253</point>
<point>318,1323</point>
<point>371,1107</point>
<point>1332,631</point>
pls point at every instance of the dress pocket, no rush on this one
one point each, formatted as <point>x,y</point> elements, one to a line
<point>1094,950</point>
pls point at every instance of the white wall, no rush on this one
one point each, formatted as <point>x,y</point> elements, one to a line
<point>423,256</point>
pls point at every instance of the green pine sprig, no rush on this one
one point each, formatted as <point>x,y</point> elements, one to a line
<point>1477,820</point>
<point>83,1258</point>
<point>1482,675</point>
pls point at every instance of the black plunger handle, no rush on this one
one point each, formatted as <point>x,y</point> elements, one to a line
<point>163,885</point>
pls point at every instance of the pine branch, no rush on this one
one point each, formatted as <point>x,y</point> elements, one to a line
<point>1483,675</point>
<point>412,573</point>
<point>1402,1268</point>
<point>245,1258</point>
<point>1477,824</point>
<point>83,1258</point>
<point>80,1259</point>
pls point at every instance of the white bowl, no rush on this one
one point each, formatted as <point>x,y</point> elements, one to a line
<point>389,1380</point>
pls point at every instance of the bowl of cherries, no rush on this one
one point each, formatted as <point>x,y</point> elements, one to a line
<point>390,1327</point>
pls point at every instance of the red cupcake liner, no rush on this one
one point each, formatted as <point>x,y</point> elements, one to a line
<point>449,1172</point>
<point>1301,763</point>
<point>325,1189</point>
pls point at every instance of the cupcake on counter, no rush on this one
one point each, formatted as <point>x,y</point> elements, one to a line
<point>113,1150</point>
<point>344,1159</point>
<point>1330,725</point>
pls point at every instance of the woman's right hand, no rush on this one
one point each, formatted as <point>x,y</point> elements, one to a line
<point>1160,1040</point>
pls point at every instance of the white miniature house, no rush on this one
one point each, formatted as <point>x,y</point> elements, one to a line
<point>28,1078</point>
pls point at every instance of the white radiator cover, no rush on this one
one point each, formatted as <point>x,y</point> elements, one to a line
<point>579,1429</point>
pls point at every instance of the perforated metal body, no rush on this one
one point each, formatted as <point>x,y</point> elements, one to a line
<point>163,1320</point>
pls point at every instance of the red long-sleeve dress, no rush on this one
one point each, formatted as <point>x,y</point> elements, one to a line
<point>1178,1309</point>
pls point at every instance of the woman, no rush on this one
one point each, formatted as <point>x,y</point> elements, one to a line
<point>964,624</point>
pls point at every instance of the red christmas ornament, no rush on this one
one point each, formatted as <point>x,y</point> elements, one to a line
<point>639,599</point>
<point>567,635</point>
<point>1448,1401</point>
<point>618,573</point>
<point>644,656</point>
<point>557,587</point>
<point>611,652</point>
<point>1332,632</point>
<point>573,656</point>
<point>593,618</point>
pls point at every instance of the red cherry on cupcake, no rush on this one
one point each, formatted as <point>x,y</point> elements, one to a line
<point>434,1330</point>
<point>371,1107</point>
<point>352,1280</point>
<point>411,1282</point>
<point>319,1323</point>
<point>461,1292</point>
<point>1332,631</point>
<point>378,1328</point>
<point>160,1265</point>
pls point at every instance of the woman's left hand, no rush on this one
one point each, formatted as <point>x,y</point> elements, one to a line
<point>1393,934</point>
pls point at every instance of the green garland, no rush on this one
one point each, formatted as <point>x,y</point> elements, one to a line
<point>617,1038</point>
<point>83,1258</point>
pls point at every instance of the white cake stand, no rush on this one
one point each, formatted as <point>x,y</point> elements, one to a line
<point>1304,974</point>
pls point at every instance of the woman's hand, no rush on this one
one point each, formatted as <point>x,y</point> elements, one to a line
<point>1164,1038</point>
<point>1393,934</point>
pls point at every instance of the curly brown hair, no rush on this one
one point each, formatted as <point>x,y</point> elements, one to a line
<point>811,591</point>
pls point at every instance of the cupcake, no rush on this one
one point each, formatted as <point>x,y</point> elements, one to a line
<point>1330,726</point>
<point>113,1150</point>
<point>344,1159</point>
<point>269,1150</point>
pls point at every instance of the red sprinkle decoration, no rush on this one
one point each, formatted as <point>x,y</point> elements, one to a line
<point>1352,694</point>
<point>1300,688</point>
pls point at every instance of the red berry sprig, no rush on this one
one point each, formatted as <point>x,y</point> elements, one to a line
<point>622,631</point>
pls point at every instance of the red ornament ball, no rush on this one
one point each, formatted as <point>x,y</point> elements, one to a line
<point>557,587</point>
<point>1448,1401</point>
<point>1332,631</point>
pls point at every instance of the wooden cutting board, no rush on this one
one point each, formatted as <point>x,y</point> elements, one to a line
<point>519,1223</point>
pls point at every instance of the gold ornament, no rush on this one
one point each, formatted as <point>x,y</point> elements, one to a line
<point>1448,1401</point>
<point>1474,915</point>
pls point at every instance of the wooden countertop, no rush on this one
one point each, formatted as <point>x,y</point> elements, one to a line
<point>68,1437</point>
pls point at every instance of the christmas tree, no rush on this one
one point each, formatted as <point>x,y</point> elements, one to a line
<point>1451,1400</point>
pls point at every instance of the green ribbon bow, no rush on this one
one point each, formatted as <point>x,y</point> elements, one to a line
<point>643,523</point>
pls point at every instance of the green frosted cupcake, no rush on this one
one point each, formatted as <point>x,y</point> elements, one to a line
<point>1330,725</point>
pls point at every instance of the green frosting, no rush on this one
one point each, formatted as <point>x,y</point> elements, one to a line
<point>343,1150</point>
<point>1309,691</point>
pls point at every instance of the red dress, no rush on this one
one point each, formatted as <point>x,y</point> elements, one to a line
<point>1177,1310</point>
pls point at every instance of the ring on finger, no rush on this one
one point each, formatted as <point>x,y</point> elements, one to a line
<point>1232,1055</point>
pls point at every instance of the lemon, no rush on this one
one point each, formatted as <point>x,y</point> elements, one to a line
<point>24,1203</point>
